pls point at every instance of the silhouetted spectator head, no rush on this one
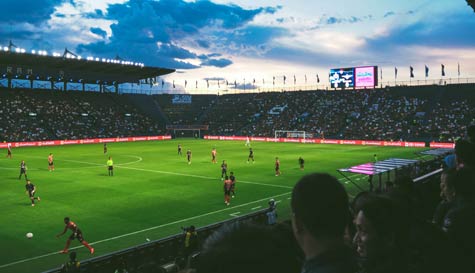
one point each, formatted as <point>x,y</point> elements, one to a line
<point>381,229</point>
<point>244,247</point>
<point>464,153</point>
<point>464,183</point>
<point>320,206</point>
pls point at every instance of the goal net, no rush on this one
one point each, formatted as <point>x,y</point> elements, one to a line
<point>292,134</point>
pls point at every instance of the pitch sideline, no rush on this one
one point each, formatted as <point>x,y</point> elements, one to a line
<point>144,230</point>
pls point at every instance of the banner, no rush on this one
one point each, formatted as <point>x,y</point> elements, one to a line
<point>323,141</point>
<point>81,141</point>
<point>442,145</point>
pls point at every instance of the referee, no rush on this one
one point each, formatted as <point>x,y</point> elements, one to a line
<point>110,166</point>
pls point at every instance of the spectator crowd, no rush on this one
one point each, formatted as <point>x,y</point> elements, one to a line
<point>48,115</point>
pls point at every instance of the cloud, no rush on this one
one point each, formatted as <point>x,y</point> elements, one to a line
<point>217,62</point>
<point>167,32</point>
<point>332,20</point>
<point>97,14</point>
<point>29,11</point>
<point>389,13</point>
<point>99,31</point>
<point>440,32</point>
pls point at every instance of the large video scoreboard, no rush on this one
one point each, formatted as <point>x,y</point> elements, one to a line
<point>354,77</point>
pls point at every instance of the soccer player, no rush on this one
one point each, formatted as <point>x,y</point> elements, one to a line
<point>23,169</point>
<point>105,148</point>
<point>50,163</point>
<point>9,150</point>
<point>179,149</point>
<point>251,155</point>
<point>188,156</point>
<point>213,155</point>
<point>248,142</point>
<point>110,166</point>
<point>375,158</point>
<point>301,163</point>
<point>227,190</point>
<point>277,166</point>
<point>30,190</point>
<point>77,234</point>
<point>233,184</point>
<point>224,169</point>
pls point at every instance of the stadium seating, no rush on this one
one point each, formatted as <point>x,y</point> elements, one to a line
<point>48,115</point>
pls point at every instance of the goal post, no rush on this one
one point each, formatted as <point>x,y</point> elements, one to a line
<point>188,131</point>
<point>291,134</point>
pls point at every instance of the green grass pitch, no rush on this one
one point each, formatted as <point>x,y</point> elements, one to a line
<point>152,194</point>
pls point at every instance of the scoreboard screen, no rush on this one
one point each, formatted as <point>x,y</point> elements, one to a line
<point>342,77</point>
<point>354,77</point>
<point>366,76</point>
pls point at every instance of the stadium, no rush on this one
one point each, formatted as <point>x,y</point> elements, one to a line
<point>112,164</point>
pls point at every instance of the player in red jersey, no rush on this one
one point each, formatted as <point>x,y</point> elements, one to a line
<point>227,190</point>
<point>233,184</point>
<point>9,150</point>
<point>213,155</point>
<point>76,234</point>
<point>50,163</point>
<point>277,166</point>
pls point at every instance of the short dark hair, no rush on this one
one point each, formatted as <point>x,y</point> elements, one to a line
<point>66,219</point>
<point>387,217</point>
<point>72,255</point>
<point>247,247</point>
<point>320,202</point>
<point>465,152</point>
<point>464,183</point>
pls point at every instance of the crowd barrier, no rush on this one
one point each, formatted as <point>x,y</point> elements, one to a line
<point>434,145</point>
<point>336,141</point>
<point>4,145</point>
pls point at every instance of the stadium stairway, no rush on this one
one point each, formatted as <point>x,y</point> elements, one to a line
<point>148,106</point>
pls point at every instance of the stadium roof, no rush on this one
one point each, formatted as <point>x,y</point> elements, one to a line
<point>40,67</point>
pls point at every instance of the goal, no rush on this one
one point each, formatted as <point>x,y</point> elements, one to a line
<point>291,134</point>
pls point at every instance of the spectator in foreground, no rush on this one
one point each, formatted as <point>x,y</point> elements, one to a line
<point>459,222</point>
<point>243,247</point>
<point>464,154</point>
<point>320,213</point>
<point>381,236</point>
<point>447,194</point>
<point>72,265</point>
<point>272,213</point>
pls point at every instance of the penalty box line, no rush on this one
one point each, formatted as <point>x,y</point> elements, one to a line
<point>144,230</point>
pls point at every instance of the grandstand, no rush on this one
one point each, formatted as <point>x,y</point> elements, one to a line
<point>411,117</point>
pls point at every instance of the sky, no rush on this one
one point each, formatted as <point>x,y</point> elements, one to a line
<point>253,43</point>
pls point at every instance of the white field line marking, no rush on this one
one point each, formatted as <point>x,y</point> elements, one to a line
<point>173,173</point>
<point>147,229</point>
<point>95,165</point>
<point>258,207</point>
<point>206,177</point>
<point>235,214</point>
